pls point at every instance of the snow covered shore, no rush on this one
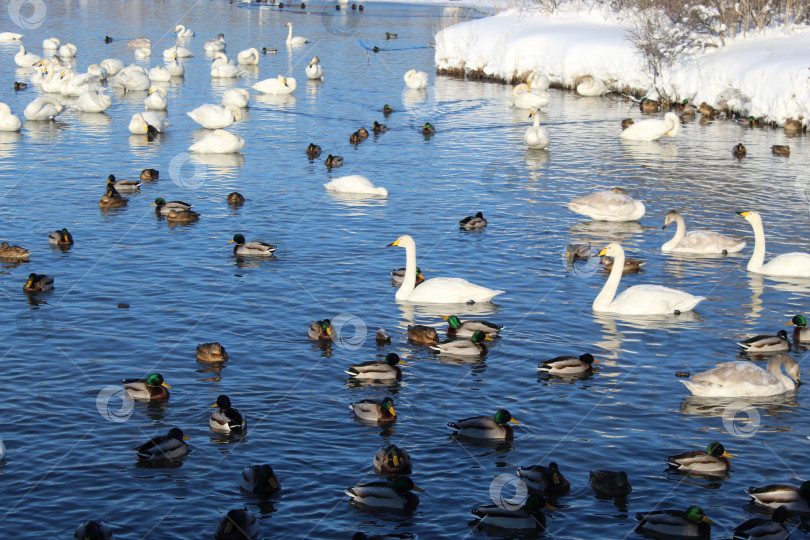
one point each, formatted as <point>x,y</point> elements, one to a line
<point>767,74</point>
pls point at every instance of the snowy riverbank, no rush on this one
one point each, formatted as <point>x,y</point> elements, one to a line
<point>769,72</point>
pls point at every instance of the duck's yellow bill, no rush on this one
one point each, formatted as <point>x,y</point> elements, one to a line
<point>186,438</point>
<point>420,490</point>
<point>706,520</point>
<point>513,421</point>
<point>165,384</point>
<point>214,405</point>
<point>445,317</point>
<point>229,241</point>
<point>789,323</point>
<point>395,459</point>
<point>727,455</point>
<point>393,412</point>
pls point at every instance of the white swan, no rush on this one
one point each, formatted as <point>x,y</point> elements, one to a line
<point>297,40</point>
<point>24,59</point>
<point>441,290</point>
<point>68,50</point>
<point>279,85</point>
<point>50,44</point>
<point>8,120</point>
<point>182,31</point>
<point>216,116</point>
<point>142,53</point>
<point>10,36</point>
<point>315,70</point>
<point>160,74</point>
<point>355,184</point>
<point>524,98</point>
<point>175,68</point>
<point>248,56</point>
<point>794,264</point>
<point>52,82</point>
<point>698,241</point>
<point>112,65</point>
<point>218,142</point>
<point>215,45</point>
<point>92,101</point>
<point>224,69</point>
<point>236,96</point>
<point>76,84</point>
<point>156,99</point>
<point>591,87</point>
<point>652,129</point>
<point>536,136</point>
<point>43,108</point>
<point>99,71</point>
<point>175,52</point>
<point>132,78</point>
<point>416,80</point>
<point>614,204</point>
<point>538,81</point>
<point>141,121</point>
<point>639,299</point>
<point>747,379</point>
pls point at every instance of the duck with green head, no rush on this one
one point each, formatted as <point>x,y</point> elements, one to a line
<point>566,365</point>
<point>466,329</point>
<point>378,128</point>
<point>38,283</point>
<point>546,480</point>
<point>123,185</point>
<point>392,459</point>
<point>714,461</point>
<point>378,369</point>
<point>739,151</point>
<point>260,479</point>
<point>464,347</point>
<point>528,516</point>
<point>60,238</point>
<point>470,223</point>
<point>226,419</point>
<point>152,387</point>
<point>766,343</point>
<point>251,249</point>
<point>321,330</point>
<point>800,330</point>
<point>373,410</point>
<point>387,109</point>
<point>394,494</point>
<point>398,276</point>
<point>237,524</point>
<point>167,447</point>
<point>163,208</point>
<point>691,523</point>
<point>486,427</point>
<point>428,129</point>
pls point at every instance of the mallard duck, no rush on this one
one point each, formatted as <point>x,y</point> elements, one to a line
<point>631,265</point>
<point>211,352</point>
<point>800,332</point>
<point>147,175</point>
<point>428,129</point>
<point>377,369</point>
<point>706,110</point>
<point>387,109</point>
<point>712,461</point>
<point>333,161</point>
<point>382,337</point>
<point>363,132</point>
<point>466,329</point>
<point>780,150</point>
<point>373,410</point>
<point>392,459</point>
<point>398,276</point>
<point>265,50</point>
<point>163,208</point>
<point>237,524</point>
<point>464,347</point>
<point>20,86</point>
<point>762,344</point>
<point>13,253</point>
<point>259,479</point>
<point>164,447</point>
<point>793,126</point>
<point>313,151</point>
<point>394,494</point>
<point>123,185</point>
<point>528,516</point>
<point>797,499</point>
<point>320,329</point>
<point>478,221</point>
<point>60,238</point>
<point>762,528</point>
<point>389,35</point>
<point>225,418</point>
<point>235,198</point>
<point>252,248</point>
<point>691,523</point>
<point>738,151</point>
<point>424,335</point>
<point>649,105</point>
<point>182,216</point>
<point>564,365</point>
<point>627,122</point>
<point>112,199</point>
<point>93,530</point>
<point>485,427</point>
<point>611,483</point>
<point>355,138</point>
<point>687,108</point>
<point>152,387</point>
<point>547,480</point>
<point>578,252</point>
<point>378,128</point>
<point>38,283</point>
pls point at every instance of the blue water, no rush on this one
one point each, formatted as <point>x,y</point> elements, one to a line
<point>68,462</point>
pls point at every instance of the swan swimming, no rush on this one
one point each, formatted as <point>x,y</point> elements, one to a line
<point>794,264</point>
<point>92,101</point>
<point>537,135</point>
<point>218,142</point>
<point>294,40</point>
<point>236,96</point>
<point>652,128</point>
<point>141,121</point>
<point>314,70</point>
<point>706,242</point>
<point>614,204</point>
<point>182,31</point>
<point>416,80</point>
<point>746,378</point>
<point>43,108</point>
<point>590,87</point>
<point>156,99</point>
<point>524,98</point>
<point>8,120</point>
<point>248,57</point>
<point>355,184</point>
<point>216,116</point>
<point>279,85</point>
<point>24,59</point>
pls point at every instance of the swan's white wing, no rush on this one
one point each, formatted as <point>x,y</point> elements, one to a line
<point>653,299</point>
<point>608,206</point>
<point>446,290</point>
<point>788,264</point>
<point>709,242</point>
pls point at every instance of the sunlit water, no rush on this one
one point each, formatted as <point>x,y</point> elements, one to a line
<point>66,462</point>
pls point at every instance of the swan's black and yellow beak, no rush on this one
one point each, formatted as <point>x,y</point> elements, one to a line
<point>394,243</point>
<point>603,252</point>
<point>743,214</point>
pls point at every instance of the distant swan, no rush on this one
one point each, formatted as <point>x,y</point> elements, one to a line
<point>160,74</point>
<point>24,59</point>
<point>177,52</point>
<point>222,68</point>
<point>638,299</point>
<point>591,87</point>
<point>182,31</point>
<point>10,36</point>
<point>218,142</point>
<point>536,136</point>
<point>745,378</point>
<point>652,129</point>
<point>141,121</point>
<point>216,116</point>
<point>614,204</point>
<point>43,108</point>
<point>279,85</point>
<point>416,80</point>
<point>794,264</point>
<point>92,101</point>
<point>248,56</point>
<point>698,241</point>
<point>156,99</point>
<point>215,45</point>
<point>355,184</point>
<point>236,96</point>
<point>8,120</point>
<point>441,290</point>
<point>297,40</point>
<point>524,98</point>
<point>314,69</point>
<point>538,81</point>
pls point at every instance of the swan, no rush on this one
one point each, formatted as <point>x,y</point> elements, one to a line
<point>248,56</point>
<point>297,40</point>
<point>236,96</point>
<point>156,99</point>
<point>441,290</point>
<point>216,116</point>
<point>175,68</point>
<point>652,129</point>
<point>223,69</point>
<point>177,52</point>
<point>8,120</point>
<point>132,78</point>
<point>279,85</point>
<point>746,379</point>
<point>182,31</point>
<point>639,299</point>
<point>52,82</point>
<point>794,264</point>
<point>50,44</point>
<point>416,80</point>
<point>536,136</point>
<point>215,45</point>
<point>591,87</point>
<point>92,101</point>
<point>218,142</point>
<point>698,241</point>
<point>160,74</point>
<point>355,184</point>
<point>43,108</point>
<point>538,81</point>
<point>614,204</point>
<point>68,50</point>
<point>139,43</point>
<point>141,121</point>
<point>76,84</point>
<point>524,98</point>
<point>97,70</point>
<point>315,70</point>
<point>142,52</point>
<point>10,36</point>
<point>112,65</point>
<point>24,59</point>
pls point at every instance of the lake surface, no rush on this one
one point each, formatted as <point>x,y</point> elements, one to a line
<point>68,462</point>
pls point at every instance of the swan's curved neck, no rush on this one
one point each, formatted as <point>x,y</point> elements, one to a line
<point>605,297</point>
<point>675,124</point>
<point>680,234</point>
<point>289,34</point>
<point>536,121</point>
<point>774,367</point>
<point>409,282</point>
<point>758,256</point>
